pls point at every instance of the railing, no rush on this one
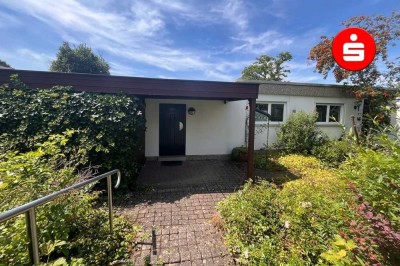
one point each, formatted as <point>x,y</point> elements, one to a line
<point>30,212</point>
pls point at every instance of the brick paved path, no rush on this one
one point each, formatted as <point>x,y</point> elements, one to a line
<point>179,207</point>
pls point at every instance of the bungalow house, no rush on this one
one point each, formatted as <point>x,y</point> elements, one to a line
<point>212,128</point>
<point>281,99</point>
<point>206,119</point>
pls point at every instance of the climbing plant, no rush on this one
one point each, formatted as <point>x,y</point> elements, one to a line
<point>108,126</point>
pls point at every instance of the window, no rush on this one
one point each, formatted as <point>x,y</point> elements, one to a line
<point>328,112</point>
<point>262,107</point>
<point>276,111</point>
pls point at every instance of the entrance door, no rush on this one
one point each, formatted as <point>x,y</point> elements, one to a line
<point>172,129</point>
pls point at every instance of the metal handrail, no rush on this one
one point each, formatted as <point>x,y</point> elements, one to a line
<point>29,210</point>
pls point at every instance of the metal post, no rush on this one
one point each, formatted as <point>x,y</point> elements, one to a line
<point>110,212</point>
<point>32,235</point>
<point>355,131</point>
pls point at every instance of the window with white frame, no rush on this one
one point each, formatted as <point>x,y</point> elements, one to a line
<point>276,110</point>
<point>329,112</point>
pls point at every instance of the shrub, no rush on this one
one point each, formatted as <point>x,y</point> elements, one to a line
<point>268,161</point>
<point>376,175</point>
<point>292,226</point>
<point>239,154</point>
<point>299,163</point>
<point>299,134</point>
<point>107,126</point>
<point>373,170</point>
<point>260,162</point>
<point>333,153</point>
<point>70,228</point>
<point>249,217</point>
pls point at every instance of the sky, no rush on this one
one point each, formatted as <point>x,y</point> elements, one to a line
<point>184,39</point>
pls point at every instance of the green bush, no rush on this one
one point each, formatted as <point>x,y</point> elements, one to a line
<point>299,134</point>
<point>70,228</point>
<point>299,164</point>
<point>107,126</point>
<point>333,153</point>
<point>376,175</point>
<point>267,163</point>
<point>373,171</point>
<point>239,154</point>
<point>250,217</point>
<point>292,226</point>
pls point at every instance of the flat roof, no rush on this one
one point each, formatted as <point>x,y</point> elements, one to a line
<point>339,86</point>
<point>147,87</point>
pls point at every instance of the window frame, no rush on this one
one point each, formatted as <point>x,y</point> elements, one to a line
<point>259,122</point>
<point>328,110</point>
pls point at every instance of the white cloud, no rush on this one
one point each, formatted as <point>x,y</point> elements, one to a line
<point>29,54</point>
<point>147,20</point>
<point>141,33</point>
<point>234,11</point>
<point>26,59</point>
<point>262,43</point>
<point>277,8</point>
<point>122,70</point>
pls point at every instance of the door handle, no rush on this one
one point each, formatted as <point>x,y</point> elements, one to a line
<point>180,126</point>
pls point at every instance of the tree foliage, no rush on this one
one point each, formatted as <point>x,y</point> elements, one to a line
<point>268,68</point>
<point>80,59</point>
<point>4,64</point>
<point>386,33</point>
<point>384,71</point>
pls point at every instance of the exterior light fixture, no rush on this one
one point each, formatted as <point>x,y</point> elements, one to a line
<point>191,111</point>
<point>357,105</point>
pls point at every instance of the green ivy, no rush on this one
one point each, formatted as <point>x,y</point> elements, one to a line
<point>108,126</point>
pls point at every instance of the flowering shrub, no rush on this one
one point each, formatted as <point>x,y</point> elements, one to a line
<point>292,226</point>
<point>299,163</point>
<point>344,216</point>
<point>374,181</point>
<point>251,218</point>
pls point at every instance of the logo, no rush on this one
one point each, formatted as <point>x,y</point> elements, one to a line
<point>353,49</point>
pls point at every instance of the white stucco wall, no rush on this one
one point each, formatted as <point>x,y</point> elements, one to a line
<point>215,129</point>
<point>307,104</point>
<point>395,117</point>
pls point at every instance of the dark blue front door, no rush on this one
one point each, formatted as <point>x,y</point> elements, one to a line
<point>172,129</point>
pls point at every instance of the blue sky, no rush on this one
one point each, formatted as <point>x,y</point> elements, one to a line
<point>192,39</point>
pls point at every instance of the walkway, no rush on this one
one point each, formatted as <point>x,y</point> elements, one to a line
<point>178,202</point>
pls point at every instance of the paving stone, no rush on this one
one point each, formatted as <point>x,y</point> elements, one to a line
<point>186,263</point>
<point>179,207</point>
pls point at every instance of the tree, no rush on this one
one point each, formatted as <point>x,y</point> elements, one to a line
<point>4,64</point>
<point>80,59</point>
<point>268,68</point>
<point>384,71</point>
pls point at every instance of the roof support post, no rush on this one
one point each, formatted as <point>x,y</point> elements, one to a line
<point>250,145</point>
